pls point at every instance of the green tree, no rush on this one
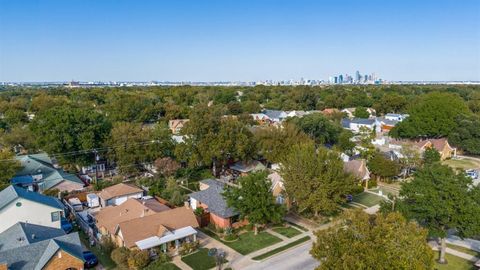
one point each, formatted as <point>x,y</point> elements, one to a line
<point>9,167</point>
<point>440,200</point>
<point>70,129</point>
<point>212,139</point>
<point>320,128</point>
<point>254,200</point>
<point>315,179</point>
<point>432,115</point>
<point>345,143</point>
<point>430,156</point>
<point>391,103</point>
<point>372,242</point>
<point>275,142</point>
<point>361,112</point>
<point>467,134</point>
<point>383,167</point>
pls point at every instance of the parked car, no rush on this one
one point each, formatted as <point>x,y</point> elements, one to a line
<point>66,225</point>
<point>90,259</point>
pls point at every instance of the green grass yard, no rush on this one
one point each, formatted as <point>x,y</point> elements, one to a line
<point>200,260</point>
<point>368,199</point>
<point>454,263</point>
<point>462,164</point>
<point>248,242</point>
<point>287,231</point>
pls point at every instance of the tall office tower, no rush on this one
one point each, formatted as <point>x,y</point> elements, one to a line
<point>336,80</point>
<point>331,79</point>
<point>374,78</point>
<point>340,78</point>
<point>365,78</point>
<point>358,77</point>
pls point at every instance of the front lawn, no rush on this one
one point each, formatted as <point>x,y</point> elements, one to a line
<point>162,266</point>
<point>463,164</point>
<point>287,231</point>
<point>248,242</point>
<point>455,263</point>
<point>368,199</point>
<point>200,260</point>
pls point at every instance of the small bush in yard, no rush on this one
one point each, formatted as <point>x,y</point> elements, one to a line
<point>120,256</point>
<point>138,259</point>
<point>188,248</point>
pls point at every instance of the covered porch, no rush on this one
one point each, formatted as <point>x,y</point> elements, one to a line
<point>171,241</point>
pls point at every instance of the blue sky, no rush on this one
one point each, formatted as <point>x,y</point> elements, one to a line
<point>209,40</point>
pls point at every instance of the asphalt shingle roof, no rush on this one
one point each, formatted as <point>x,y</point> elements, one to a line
<point>23,234</point>
<point>42,164</point>
<point>11,193</point>
<point>37,254</point>
<point>212,197</point>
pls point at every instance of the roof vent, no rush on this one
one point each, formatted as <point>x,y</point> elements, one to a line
<point>33,236</point>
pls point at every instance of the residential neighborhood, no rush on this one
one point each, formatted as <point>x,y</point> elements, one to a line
<point>241,192</point>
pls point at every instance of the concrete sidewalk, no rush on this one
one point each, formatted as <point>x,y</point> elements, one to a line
<point>435,246</point>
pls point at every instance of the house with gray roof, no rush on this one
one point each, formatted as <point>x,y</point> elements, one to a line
<point>26,246</point>
<point>275,115</point>
<point>20,205</point>
<point>211,200</point>
<point>356,124</point>
<point>39,172</point>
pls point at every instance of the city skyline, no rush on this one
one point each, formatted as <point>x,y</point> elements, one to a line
<point>238,41</point>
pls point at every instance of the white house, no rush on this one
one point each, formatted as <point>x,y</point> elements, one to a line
<point>357,123</point>
<point>20,205</point>
<point>118,194</point>
<point>396,116</point>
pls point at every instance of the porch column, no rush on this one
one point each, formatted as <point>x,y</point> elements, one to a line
<point>194,237</point>
<point>164,247</point>
<point>176,244</point>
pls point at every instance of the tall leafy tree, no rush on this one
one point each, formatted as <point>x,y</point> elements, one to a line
<point>440,200</point>
<point>254,200</point>
<point>70,129</point>
<point>430,156</point>
<point>361,112</point>
<point>275,142</point>
<point>315,179</point>
<point>320,128</point>
<point>9,167</point>
<point>467,134</point>
<point>373,242</point>
<point>432,115</point>
<point>382,167</point>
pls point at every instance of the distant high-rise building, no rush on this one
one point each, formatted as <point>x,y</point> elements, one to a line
<point>340,79</point>
<point>358,77</point>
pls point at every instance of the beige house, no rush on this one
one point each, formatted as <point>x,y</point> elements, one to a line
<point>118,194</point>
<point>136,225</point>
<point>176,125</point>
<point>441,145</point>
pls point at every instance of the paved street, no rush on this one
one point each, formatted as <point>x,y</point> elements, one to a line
<point>296,258</point>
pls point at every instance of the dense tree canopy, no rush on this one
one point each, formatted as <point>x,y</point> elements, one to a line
<point>8,166</point>
<point>254,200</point>
<point>432,115</point>
<point>319,128</point>
<point>373,242</point>
<point>440,200</point>
<point>70,129</point>
<point>315,179</point>
<point>382,167</point>
<point>274,142</point>
<point>467,134</point>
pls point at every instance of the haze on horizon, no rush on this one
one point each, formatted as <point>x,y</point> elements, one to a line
<point>110,40</point>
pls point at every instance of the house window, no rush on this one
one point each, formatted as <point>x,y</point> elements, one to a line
<point>55,216</point>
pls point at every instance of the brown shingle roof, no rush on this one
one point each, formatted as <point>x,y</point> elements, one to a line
<point>356,167</point>
<point>109,217</point>
<point>118,190</point>
<point>156,225</point>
